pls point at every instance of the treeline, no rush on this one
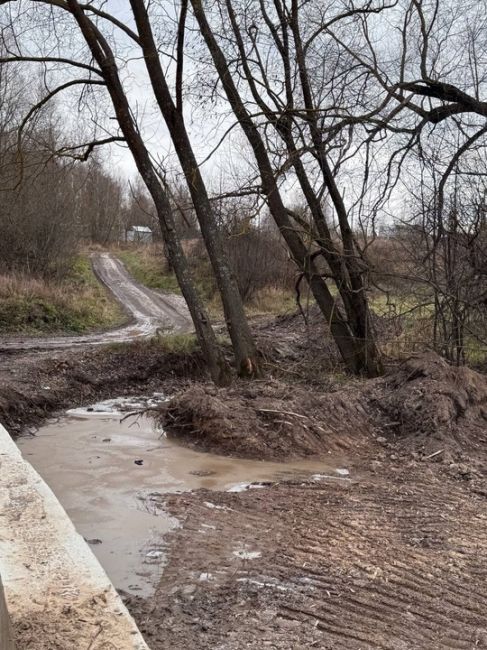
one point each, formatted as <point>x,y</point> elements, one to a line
<point>50,206</point>
<point>327,114</point>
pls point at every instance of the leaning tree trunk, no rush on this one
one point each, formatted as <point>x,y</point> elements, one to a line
<point>353,290</point>
<point>357,316</point>
<point>236,320</point>
<point>219,369</point>
<point>350,347</point>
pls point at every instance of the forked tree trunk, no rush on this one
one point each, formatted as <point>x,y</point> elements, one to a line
<point>102,53</point>
<point>353,349</point>
<point>345,272</point>
<point>353,291</point>
<point>236,320</point>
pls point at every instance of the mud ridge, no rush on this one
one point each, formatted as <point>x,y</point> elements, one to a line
<point>33,386</point>
<point>424,404</point>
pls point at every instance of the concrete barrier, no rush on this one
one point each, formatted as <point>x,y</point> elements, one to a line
<point>6,638</point>
<point>56,593</point>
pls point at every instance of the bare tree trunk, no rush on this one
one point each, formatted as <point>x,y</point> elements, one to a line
<point>103,55</point>
<point>236,320</point>
<point>350,348</point>
<point>355,298</point>
<point>345,271</point>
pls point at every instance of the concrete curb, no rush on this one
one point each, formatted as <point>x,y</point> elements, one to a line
<point>6,636</point>
<point>56,592</point>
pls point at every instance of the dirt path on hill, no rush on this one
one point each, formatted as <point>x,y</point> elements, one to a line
<point>148,311</point>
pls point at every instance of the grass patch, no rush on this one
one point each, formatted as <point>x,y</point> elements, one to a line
<point>272,301</point>
<point>182,343</point>
<point>77,304</point>
<point>178,343</point>
<point>148,266</point>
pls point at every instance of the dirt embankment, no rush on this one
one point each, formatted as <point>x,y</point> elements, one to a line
<point>268,419</point>
<point>390,558</point>
<point>424,406</point>
<point>33,386</point>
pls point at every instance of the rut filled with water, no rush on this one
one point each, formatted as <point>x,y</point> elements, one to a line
<point>109,472</point>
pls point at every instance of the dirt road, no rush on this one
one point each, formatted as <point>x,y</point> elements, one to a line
<point>391,556</point>
<point>148,311</point>
<point>393,562</point>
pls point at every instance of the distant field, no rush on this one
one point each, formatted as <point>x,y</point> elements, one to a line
<point>75,304</point>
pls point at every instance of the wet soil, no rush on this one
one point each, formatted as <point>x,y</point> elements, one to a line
<point>111,472</point>
<point>423,406</point>
<point>36,385</point>
<point>394,559</point>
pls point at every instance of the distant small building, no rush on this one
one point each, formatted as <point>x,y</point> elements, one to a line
<point>139,234</point>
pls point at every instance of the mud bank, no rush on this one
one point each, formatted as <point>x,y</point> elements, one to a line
<point>33,386</point>
<point>423,406</point>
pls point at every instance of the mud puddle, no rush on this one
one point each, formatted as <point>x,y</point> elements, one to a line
<point>109,476</point>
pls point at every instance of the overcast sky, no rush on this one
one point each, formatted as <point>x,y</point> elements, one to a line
<point>205,126</point>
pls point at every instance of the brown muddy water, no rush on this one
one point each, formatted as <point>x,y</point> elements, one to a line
<point>109,475</point>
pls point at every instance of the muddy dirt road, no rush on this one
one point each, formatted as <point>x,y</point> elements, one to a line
<point>147,310</point>
<point>392,562</point>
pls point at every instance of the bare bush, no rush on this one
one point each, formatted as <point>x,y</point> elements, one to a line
<point>36,218</point>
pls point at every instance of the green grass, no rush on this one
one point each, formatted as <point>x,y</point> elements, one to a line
<point>162,343</point>
<point>148,267</point>
<point>183,343</point>
<point>75,305</point>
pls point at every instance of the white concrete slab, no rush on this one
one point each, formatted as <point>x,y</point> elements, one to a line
<point>57,594</point>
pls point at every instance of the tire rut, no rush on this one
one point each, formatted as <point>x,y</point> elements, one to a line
<point>366,566</point>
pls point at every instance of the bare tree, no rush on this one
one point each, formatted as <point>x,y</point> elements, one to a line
<point>427,102</point>
<point>105,72</point>
<point>353,332</point>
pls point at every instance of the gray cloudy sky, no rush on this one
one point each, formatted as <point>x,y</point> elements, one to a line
<point>206,126</point>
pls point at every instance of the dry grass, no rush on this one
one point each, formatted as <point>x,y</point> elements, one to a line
<point>78,303</point>
<point>149,267</point>
<point>147,264</point>
<point>272,301</point>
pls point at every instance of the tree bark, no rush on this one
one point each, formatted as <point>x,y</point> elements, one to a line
<point>236,320</point>
<point>102,53</point>
<point>350,348</point>
<point>353,291</point>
